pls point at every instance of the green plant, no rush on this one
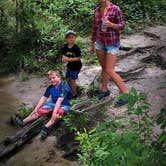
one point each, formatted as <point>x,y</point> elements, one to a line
<point>76,122</point>
<point>122,141</point>
<point>24,111</point>
<point>161,121</point>
<point>137,110</point>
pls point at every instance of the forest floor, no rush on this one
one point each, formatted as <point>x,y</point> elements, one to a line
<point>138,50</point>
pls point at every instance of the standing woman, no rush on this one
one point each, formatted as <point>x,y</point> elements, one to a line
<point>105,39</point>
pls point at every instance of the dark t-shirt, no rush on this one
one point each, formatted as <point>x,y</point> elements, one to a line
<point>72,53</point>
<point>56,92</point>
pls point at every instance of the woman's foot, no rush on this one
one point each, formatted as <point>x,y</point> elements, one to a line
<point>103,94</point>
<point>120,102</point>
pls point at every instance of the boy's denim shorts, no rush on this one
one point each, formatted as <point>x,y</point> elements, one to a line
<point>110,48</point>
<point>72,74</point>
<point>50,106</point>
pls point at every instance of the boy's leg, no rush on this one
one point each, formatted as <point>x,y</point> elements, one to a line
<point>45,109</point>
<point>71,79</point>
<point>73,86</point>
<point>55,117</point>
<point>31,117</point>
<point>21,122</point>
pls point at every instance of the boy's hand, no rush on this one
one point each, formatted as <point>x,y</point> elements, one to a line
<point>65,59</point>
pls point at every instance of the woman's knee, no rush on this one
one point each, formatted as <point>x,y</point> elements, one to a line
<point>110,72</point>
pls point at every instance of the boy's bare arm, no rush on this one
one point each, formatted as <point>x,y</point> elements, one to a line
<point>58,104</point>
<point>68,59</point>
<point>41,101</point>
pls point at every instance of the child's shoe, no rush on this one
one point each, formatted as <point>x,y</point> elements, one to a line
<point>103,94</point>
<point>120,102</point>
<point>19,121</point>
<point>44,133</point>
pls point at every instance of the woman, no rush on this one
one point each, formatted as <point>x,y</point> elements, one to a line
<point>105,39</point>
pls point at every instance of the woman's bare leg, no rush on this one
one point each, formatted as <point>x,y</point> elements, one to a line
<point>105,77</point>
<point>110,64</point>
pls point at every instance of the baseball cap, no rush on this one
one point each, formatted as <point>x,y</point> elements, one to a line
<point>70,32</point>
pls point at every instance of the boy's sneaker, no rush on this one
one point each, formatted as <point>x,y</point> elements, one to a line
<point>44,133</point>
<point>103,94</point>
<point>120,102</point>
<point>19,121</point>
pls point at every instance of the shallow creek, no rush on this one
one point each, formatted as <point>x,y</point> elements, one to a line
<point>36,152</point>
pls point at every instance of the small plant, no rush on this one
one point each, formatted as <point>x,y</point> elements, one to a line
<point>24,111</point>
<point>76,122</point>
<point>161,140</point>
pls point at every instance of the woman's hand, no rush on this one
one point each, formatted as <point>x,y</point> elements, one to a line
<point>110,24</point>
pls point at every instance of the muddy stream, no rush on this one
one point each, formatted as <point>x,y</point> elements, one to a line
<point>8,105</point>
<point>13,93</point>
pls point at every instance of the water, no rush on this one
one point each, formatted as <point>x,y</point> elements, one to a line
<point>8,106</point>
<point>36,153</point>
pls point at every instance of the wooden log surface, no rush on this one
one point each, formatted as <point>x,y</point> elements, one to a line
<point>11,143</point>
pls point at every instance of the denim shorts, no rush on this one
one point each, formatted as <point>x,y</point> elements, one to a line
<point>110,48</point>
<point>72,74</point>
<point>50,106</point>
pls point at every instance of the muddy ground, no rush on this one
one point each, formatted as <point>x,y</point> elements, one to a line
<point>151,80</point>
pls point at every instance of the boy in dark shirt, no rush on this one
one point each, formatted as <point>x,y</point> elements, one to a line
<point>72,55</point>
<point>58,105</point>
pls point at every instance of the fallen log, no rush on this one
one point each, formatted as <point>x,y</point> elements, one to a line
<point>12,143</point>
<point>95,107</point>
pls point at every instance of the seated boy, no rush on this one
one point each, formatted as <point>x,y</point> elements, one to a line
<point>58,105</point>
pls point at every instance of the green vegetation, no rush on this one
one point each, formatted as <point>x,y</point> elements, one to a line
<point>125,140</point>
<point>33,31</point>
<point>24,111</point>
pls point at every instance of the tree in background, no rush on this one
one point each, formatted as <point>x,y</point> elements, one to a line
<point>32,30</point>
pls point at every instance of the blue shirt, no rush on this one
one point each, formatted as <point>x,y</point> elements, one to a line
<point>56,92</point>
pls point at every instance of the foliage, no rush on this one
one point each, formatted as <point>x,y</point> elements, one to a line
<point>76,14</point>
<point>76,122</point>
<point>24,111</point>
<point>124,140</point>
<point>161,120</point>
<point>139,13</point>
<point>32,31</point>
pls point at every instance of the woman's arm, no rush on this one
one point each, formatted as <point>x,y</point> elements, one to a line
<point>120,21</point>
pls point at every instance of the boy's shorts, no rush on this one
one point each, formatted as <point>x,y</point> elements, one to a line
<point>49,106</point>
<point>110,48</point>
<point>72,74</point>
